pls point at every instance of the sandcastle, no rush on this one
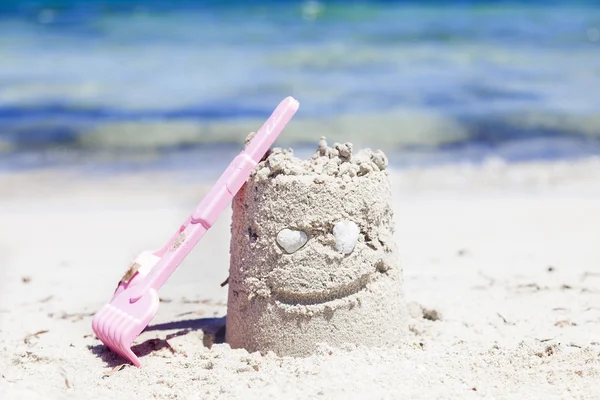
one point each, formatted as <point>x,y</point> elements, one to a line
<point>313,257</point>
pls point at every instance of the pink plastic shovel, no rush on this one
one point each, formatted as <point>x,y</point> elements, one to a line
<point>135,301</point>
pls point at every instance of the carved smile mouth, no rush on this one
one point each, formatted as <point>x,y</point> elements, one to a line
<point>311,298</point>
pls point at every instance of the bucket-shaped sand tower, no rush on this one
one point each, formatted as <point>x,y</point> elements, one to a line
<point>313,258</point>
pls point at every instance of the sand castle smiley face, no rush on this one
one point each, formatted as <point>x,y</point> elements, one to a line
<point>313,257</point>
<point>323,263</point>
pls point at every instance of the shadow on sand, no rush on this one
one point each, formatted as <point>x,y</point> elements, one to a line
<point>212,328</point>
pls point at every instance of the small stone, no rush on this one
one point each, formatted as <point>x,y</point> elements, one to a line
<point>344,150</point>
<point>323,146</point>
<point>291,240</point>
<point>346,235</point>
<point>277,162</point>
<point>263,174</point>
<point>379,159</point>
<point>431,314</point>
<point>365,169</point>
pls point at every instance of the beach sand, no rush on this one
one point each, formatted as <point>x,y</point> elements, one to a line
<point>501,268</point>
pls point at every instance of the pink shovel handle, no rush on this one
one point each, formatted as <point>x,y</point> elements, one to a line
<point>219,196</point>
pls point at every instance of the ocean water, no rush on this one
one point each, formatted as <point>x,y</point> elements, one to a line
<point>130,84</point>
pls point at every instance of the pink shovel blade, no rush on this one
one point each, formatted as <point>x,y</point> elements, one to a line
<point>135,303</point>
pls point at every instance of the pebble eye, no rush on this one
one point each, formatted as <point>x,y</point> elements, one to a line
<point>291,240</point>
<point>346,235</point>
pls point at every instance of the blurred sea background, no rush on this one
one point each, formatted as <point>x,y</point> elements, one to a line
<point>112,85</point>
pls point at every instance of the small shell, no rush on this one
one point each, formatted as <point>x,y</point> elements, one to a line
<point>130,273</point>
<point>291,240</point>
<point>346,235</point>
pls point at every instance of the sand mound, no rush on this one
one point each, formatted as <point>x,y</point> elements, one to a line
<point>313,258</point>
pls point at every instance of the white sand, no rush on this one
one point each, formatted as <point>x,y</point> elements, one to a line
<point>509,256</point>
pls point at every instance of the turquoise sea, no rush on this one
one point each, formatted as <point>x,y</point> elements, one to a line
<point>163,84</point>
